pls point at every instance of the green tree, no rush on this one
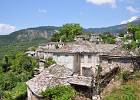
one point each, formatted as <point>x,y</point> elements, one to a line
<point>55,37</point>
<point>137,35</point>
<point>8,81</point>
<point>132,30</point>
<point>19,71</point>
<point>107,38</point>
<point>67,32</point>
<point>6,64</point>
<point>23,63</point>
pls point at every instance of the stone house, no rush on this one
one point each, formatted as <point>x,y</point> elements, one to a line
<point>52,45</point>
<point>52,76</point>
<point>119,58</point>
<point>95,38</point>
<point>79,56</point>
<point>76,65</point>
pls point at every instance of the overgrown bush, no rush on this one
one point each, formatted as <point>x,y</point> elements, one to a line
<point>59,92</point>
<point>130,46</point>
<point>125,76</point>
<point>7,81</point>
<point>20,70</point>
<point>108,38</point>
<point>121,34</point>
<point>49,61</point>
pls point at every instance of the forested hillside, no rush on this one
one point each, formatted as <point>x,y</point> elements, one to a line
<point>27,35</point>
<point>23,39</point>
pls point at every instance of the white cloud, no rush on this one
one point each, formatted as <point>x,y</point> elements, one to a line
<point>130,20</point>
<point>6,29</point>
<point>132,9</point>
<point>101,2</point>
<point>42,10</point>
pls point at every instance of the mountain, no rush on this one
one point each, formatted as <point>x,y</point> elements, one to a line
<point>136,21</point>
<point>21,40</point>
<point>27,35</point>
<point>43,32</point>
<point>113,29</point>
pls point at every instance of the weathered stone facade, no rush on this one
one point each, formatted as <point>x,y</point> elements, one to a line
<point>77,56</point>
<point>81,59</point>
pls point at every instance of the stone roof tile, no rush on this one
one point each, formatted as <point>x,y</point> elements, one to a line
<point>49,77</point>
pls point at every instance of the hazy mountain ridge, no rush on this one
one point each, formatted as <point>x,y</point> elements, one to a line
<point>114,29</point>
<point>42,32</point>
<point>26,35</point>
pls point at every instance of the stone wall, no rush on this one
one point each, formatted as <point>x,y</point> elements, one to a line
<point>40,54</point>
<point>89,63</point>
<point>64,59</point>
<point>90,60</point>
<point>123,63</point>
<point>47,55</point>
<point>76,62</point>
<point>50,46</point>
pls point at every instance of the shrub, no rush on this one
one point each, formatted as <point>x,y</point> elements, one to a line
<point>121,34</point>
<point>130,46</point>
<point>125,76</point>
<point>49,62</point>
<point>7,81</point>
<point>59,92</point>
<point>108,38</point>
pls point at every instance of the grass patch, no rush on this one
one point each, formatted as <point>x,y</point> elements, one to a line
<point>127,91</point>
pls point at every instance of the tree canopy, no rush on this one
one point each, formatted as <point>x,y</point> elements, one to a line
<point>67,32</point>
<point>132,30</point>
<point>15,70</point>
<point>132,40</point>
<point>107,38</point>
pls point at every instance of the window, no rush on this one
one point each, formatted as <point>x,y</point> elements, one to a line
<point>82,58</point>
<point>109,61</point>
<point>89,58</point>
<point>86,72</point>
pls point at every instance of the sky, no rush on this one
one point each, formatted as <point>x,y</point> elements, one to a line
<point>20,14</point>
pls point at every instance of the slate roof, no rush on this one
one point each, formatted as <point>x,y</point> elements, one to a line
<point>119,51</point>
<point>55,75</point>
<point>49,77</point>
<point>83,46</point>
<point>104,48</point>
<point>80,80</point>
<point>44,44</point>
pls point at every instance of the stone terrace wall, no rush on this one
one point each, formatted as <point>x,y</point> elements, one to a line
<point>123,63</point>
